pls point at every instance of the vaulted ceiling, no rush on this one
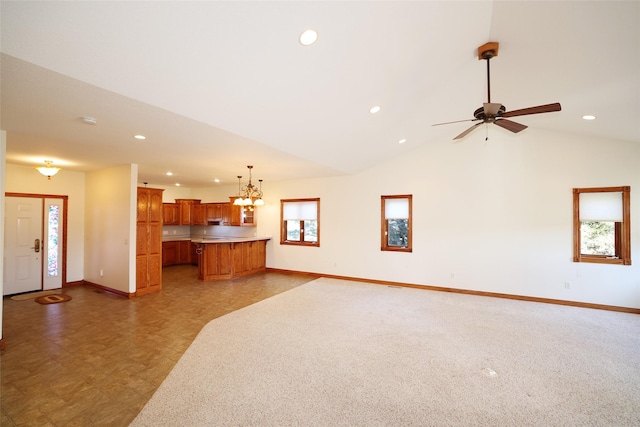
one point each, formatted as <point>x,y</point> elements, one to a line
<point>216,86</point>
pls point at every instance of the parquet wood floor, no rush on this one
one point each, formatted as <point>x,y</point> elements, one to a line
<point>97,359</point>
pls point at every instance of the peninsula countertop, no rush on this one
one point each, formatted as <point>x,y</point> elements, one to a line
<point>212,239</point>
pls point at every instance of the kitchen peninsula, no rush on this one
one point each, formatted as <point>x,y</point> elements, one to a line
<point>221,258</point>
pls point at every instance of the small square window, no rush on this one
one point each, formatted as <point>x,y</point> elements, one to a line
<point>300,222</point>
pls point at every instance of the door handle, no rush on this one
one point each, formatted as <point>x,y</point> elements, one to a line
<point>36,246</point>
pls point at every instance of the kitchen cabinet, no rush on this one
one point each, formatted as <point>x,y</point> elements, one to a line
<point>216,211</point>
<point>169,253</point>
<point>170,214</point>
<point>184,252</point>
<point>149,241</point>
<point>187,210</point>
<point>240,215</point>
<point>215,261</point>
<point>227,260</point>
<point>176,252</point>
<point>199,216</point>
<point>194,253</point>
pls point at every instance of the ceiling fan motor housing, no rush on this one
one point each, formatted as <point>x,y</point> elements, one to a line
<point>480,115</point>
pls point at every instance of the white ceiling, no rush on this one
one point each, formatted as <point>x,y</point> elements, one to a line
<point>216,86</point>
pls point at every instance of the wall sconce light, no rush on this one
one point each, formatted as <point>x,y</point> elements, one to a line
<point>48,169</point>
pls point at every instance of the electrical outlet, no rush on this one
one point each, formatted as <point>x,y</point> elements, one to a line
<point>101,273</point>
<point>567,285</point>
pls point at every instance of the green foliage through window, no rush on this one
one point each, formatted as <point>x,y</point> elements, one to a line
<point>597,238</point>
<point>398,233</point>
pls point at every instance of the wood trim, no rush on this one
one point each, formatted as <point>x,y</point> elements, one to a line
<point>625,240</point>
<point>1,343</point>
<point>576,225</point>
<point>602,189</point>
<point>73,284</point>
<point>34,195</point>
<point>109,290</point>
<point>464,291</point>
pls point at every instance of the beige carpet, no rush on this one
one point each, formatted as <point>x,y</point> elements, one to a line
<point>338,353</point>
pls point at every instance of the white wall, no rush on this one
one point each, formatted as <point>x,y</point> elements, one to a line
<point>25,179</point>
<point>491,216</point>
<point>110,234</point>
<point>3,167</point>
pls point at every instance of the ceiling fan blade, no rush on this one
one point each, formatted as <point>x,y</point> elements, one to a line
<point>457,121</point>
<point>491,108</point>
<point>547,108</point>
<point>468,131</point>
<point>509,125</point>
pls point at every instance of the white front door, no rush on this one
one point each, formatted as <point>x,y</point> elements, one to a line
<point>22,245</point>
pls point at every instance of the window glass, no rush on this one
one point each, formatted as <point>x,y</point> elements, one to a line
<point>53,219</point>
<point>597,238</point>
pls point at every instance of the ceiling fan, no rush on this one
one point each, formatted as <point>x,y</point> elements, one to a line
<point>497,113</point>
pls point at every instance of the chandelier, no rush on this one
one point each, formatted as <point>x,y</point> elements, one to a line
<point>249,195</point>
<point>48,169</point>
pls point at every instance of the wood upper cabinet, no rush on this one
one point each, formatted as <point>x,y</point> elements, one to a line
<point>187,211</point>
<point>170,214</point>
<point>199,216</point>
<point>149,241</point>
<point>241,216</point>
<point>216,211</point>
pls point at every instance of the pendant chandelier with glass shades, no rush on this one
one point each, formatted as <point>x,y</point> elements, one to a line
<point>249,195</point>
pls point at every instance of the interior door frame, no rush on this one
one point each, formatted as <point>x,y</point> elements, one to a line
<point>65,205</point>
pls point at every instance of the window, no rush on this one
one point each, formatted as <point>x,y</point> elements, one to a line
<point>53,237</point>
<point>396,223</point>
<point>300,222</point>
<point>602,225</point>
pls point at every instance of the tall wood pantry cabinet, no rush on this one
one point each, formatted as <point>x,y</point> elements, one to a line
<point>149,241</point>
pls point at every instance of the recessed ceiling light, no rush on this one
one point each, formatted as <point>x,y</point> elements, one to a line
<point>308,37</point>
<point>169,173</point>
<point>402,141</point>
<point>139,137</point>
<point>374,109</point>
<point>589,117</point>
<point>216,180</point>
<point>177,184</point>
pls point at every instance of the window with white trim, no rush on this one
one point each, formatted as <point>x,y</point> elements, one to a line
<point>396,223</point>
<point>300,222</point>
<point>601,225</point>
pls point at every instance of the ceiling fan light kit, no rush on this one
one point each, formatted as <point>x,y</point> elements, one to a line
<point>494,112</point>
